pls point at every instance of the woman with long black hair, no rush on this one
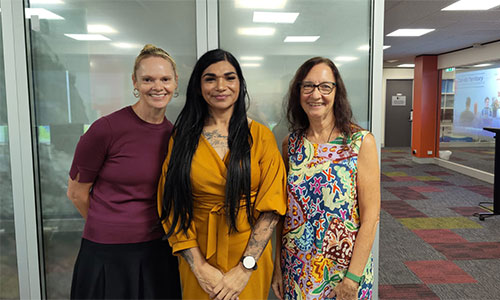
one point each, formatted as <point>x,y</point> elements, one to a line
<point>222,187</point>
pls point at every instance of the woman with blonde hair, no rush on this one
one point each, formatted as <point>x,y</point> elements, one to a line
<point>113,181</point>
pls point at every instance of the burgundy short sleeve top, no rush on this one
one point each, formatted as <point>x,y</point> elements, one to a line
<point>122,155</point>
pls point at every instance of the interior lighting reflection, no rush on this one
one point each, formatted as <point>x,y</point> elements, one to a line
<point>251,65</point>
<point>410,32</point>
<point>301,39</point>
<point>253,58</point>
<point>46,2</point>
<point>100,28</point>
<point>256,30</point>
<point>87,37</point>
<point>274,17</point>
<point>42,13</point>
<point>472,5</point>
<point>268,4</point>
<point>345,58</point>
<point>482,65</point>
<point>126,45</point>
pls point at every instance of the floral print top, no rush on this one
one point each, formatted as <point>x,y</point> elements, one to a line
<point>322,219</point>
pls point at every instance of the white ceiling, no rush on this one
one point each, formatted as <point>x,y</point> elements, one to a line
<point>455,30</point>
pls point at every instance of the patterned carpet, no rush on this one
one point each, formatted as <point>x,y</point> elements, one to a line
<point>481,158</point>
<point>431,247</point>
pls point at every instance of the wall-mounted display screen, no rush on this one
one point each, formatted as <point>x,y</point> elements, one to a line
<point>476,104</point>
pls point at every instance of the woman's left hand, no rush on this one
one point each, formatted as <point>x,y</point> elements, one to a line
<point>232,284</point>
<point>345,290</point>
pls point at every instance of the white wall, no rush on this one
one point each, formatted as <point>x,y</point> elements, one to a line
<point>470,56</point>
<point>391,73</point>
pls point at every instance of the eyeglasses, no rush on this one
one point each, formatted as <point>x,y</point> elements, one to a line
<point>325,88</point>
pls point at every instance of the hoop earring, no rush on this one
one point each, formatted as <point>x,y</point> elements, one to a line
<point>135,92</point>
<point>176,94</point>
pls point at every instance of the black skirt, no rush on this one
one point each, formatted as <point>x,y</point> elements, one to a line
<point>145,270</point>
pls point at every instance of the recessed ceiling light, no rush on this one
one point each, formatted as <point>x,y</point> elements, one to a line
<point>42,13</point>
<point>472,5</point>
<point>386,47</point>
<point>391,61</point>
<point>126,45</point>
<point>301,39</point>
<point>87,37</point>
<point>256,30</point>
<point>410,32</point>
<point>99,28</point>
<point>251,65</point>
<point>345,58</point>
<point>482,65</point>
<point>253,58</point>
<point>269,4</point>
<point>364,47</point>
<point>274,17</point>
<point>46,2</point>
<point>406,66</point>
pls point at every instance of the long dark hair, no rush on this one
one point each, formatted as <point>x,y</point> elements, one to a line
<point>296,116</point>
<point>178,198</point>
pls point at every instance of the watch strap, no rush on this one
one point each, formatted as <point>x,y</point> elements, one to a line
<point>353,277</point>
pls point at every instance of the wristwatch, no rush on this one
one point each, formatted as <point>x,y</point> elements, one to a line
<point>249,262</point>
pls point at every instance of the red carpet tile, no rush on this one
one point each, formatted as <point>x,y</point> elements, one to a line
<point>469,251</point>
<point>401,209</point>
<point>400,166</point>
<point>439,271</point>
<point>439,183</point>
<point>486,191</point>
<point>426,189</point>
<point>433,236</point>
<point>404,178</point>
<point>468,211</point>
<point>406,291</point>
<point>385,178</point>
<point>438,173</point>
<point>405,193</point>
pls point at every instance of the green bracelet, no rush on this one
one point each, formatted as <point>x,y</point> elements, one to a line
<point>354,278</point>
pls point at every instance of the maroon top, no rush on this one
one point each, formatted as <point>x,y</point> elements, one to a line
<point>122,155</point>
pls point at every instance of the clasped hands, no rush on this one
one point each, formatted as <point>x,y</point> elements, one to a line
<point>222,286</point>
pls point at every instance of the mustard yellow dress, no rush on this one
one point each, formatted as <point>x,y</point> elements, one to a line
<point>209,230</point>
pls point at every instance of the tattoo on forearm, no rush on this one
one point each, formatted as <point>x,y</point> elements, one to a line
<point>188,256</point>
<point>261,234</point>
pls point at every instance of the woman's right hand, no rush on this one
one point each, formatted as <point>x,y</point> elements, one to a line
<point>277,283</point>
<point>208,277</point>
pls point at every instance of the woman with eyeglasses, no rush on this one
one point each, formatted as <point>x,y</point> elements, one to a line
<point>113,184</point>
<point>333,186</point>
<point>222,188</point>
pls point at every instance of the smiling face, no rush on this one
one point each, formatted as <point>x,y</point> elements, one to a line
<point>220,86</point>
<point>156,82</point>
<point>316,105</point>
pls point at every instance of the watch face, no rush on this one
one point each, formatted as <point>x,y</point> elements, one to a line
<point>249,262</point>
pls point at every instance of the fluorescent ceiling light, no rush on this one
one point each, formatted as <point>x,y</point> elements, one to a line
<point>126,45</point>
<point>87,37</point>
<point>410,32</point>
<point>274,17</point>
<point>253,58</point>
<point>482,65</point>
<point>46,2</point>
<point>345,58</point>
<point>473,5</point>
<point>99,28</point>
<point>406,66</point>
<point>391,60</point>
<point>364,47</point>
<point>301,39</point>
<point>268,4</point>
<point>42,13</point>
<point>385,47</point>
<point>256,30</point>
<point>251,65</point>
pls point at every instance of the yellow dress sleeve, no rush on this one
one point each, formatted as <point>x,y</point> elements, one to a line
<point>178,240</point>
<point>272,187</point>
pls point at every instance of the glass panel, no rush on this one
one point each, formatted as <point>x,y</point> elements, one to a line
<point>269,63</point>
<point>469,102</point>
<point>77,81</point>
<point>9,285</point>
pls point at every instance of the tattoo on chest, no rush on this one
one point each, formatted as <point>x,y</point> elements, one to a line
<point>217,140</point>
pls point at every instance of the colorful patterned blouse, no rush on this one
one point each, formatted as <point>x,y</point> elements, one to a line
<point>322,220</point>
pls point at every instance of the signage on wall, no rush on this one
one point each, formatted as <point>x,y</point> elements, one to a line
<point>399,100</point>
